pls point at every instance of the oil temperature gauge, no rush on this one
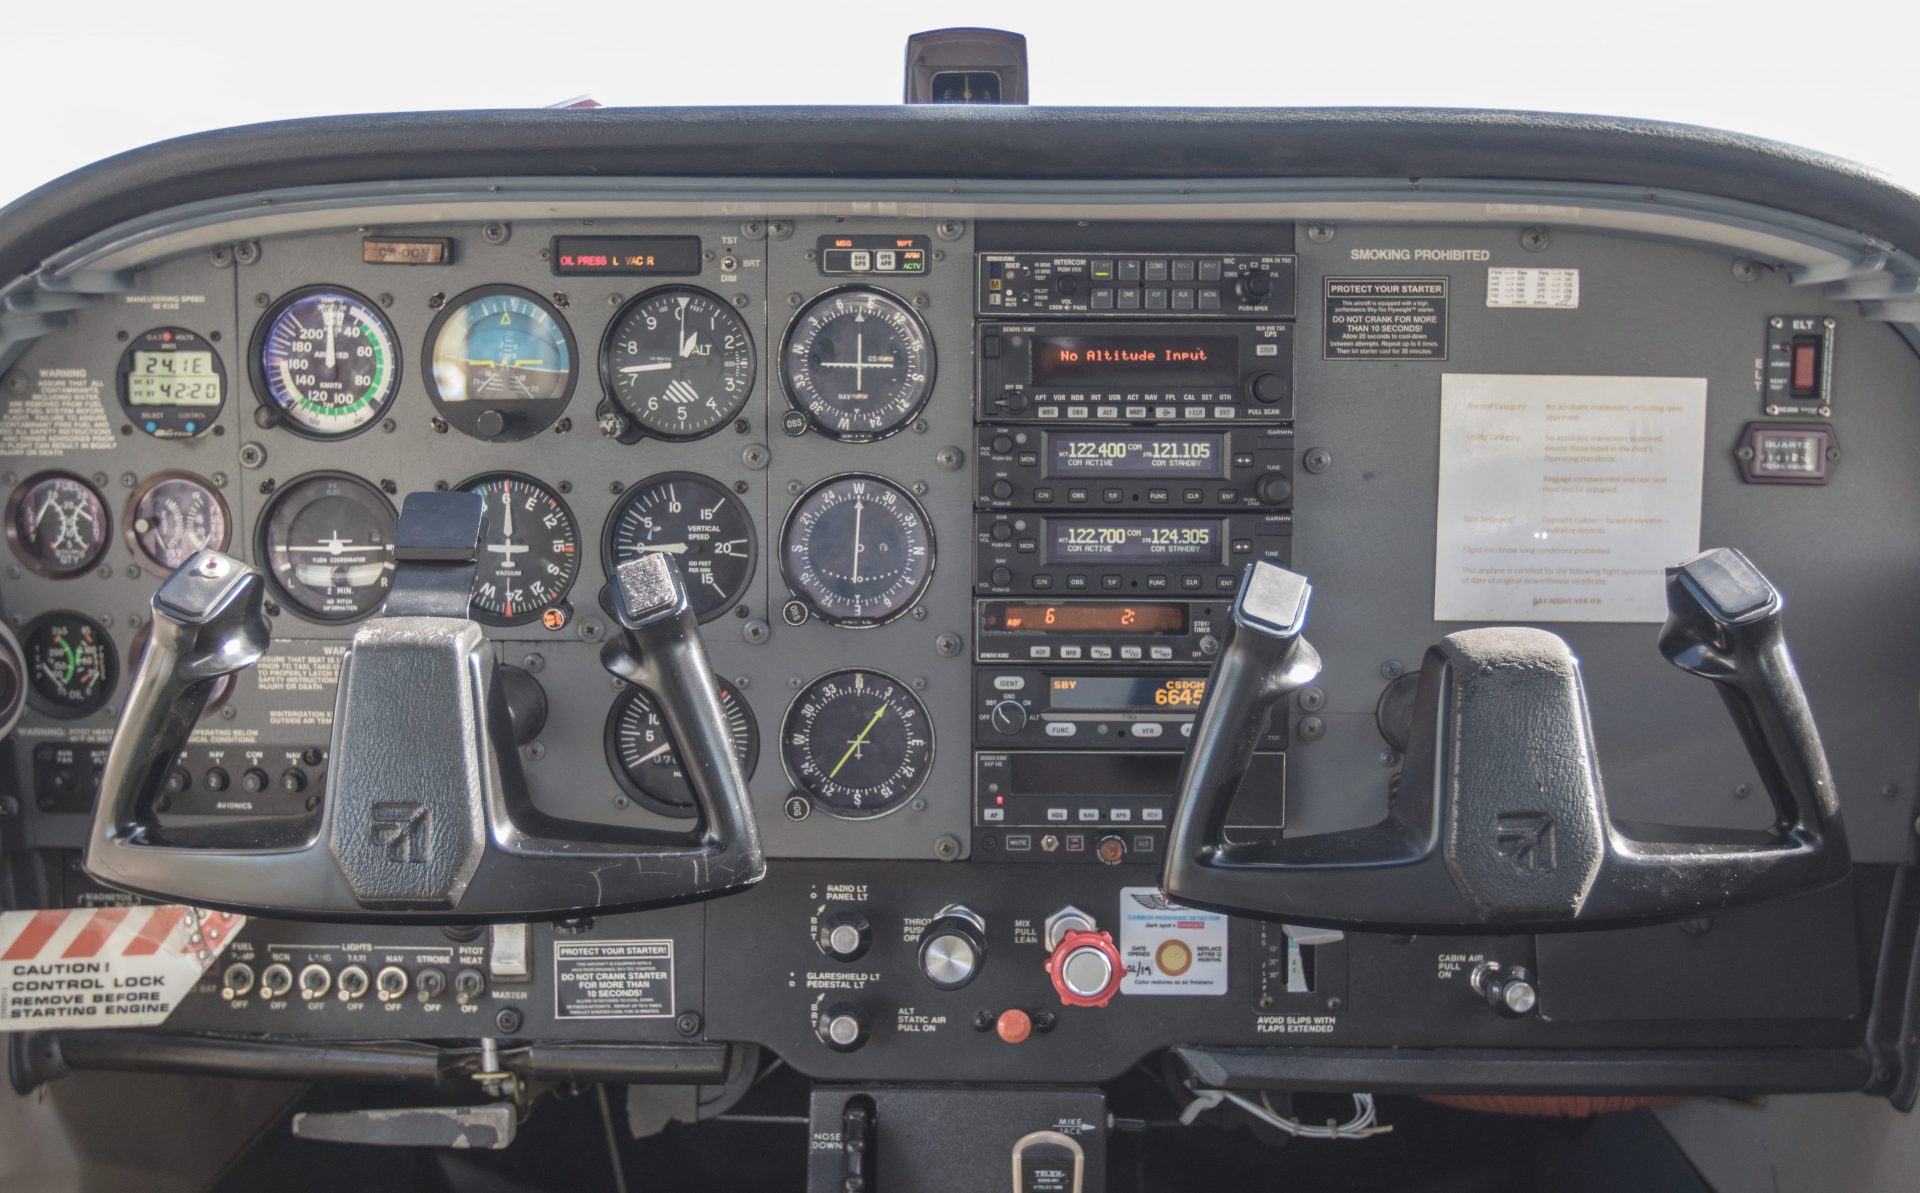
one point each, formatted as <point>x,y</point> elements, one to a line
<point>71,666</point>
<point>642,754</point>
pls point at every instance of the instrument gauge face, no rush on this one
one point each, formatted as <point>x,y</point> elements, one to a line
<point>858,363</point>
<point>642,754</point>
<point>857,550</point>
<point>57,525</point>
<point>326,541</point>
<point>327,360</point>
<point>529,549</point>
<point>858,743</point>
<point>502,363</point>
<point>679,361</point>
<point>172,515</point>
<point>172,383</point>
<point>699,523</point>
<point>71,665</point>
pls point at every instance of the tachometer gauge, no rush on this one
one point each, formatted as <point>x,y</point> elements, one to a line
<point>641,752</point>
<point>71,666</point>
<point>858,743</point>
<point>857,550</point>
<point>57,524</point>
<point>529,549</point>
<point>679,361</point>
<point>326,541</point>
<point>695,520</point>
<point>172,383</point>
<point>858,363</point>
<point>170,516</point>
<point>502,363</point>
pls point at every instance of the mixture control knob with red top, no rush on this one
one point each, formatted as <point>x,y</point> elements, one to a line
<point>1086,969</point>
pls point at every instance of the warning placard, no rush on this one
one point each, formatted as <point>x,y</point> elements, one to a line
<point>612,979</point>
<point>1168,947</point>
<point>1386,319</point>
<point>126,966</point>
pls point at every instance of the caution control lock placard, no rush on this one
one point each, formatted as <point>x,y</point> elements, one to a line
<point>82,967</point>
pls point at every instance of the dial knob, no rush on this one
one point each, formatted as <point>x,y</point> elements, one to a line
<point>1510,990</point>
<point>1001,577</point>
<point>844,1026</point>
<point>1009,717</point>
<point>1267,388</point>
<point>1002,490</point>
<point>1253,285</point>
<point>1013,401</point>
<point>1000,532</point>
<point>1086,969</point>
<point>953,947</point>
<point>1273,489</point>
<point>1002,445</point>
<point>844,936</point>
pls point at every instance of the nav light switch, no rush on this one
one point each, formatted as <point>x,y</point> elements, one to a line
<point>508,955</point>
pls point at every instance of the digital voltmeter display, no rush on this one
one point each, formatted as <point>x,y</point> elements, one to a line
<point>174,379</point>
<point>1142,455</point>
<point>1135,540</point>
<point>1129,362</point>
<point>1125,693</point>
<point>1086,618</point>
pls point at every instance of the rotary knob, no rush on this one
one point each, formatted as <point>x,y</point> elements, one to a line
<point>1510,990</point>
<point>1268,389</point>
<point>1273,489</point>
<point>844,1027</point>
<point>953,947</point>
<point>1086,969</point>
<point>844,936</point>
<point>1253,285</point>
<point>1009,717</point>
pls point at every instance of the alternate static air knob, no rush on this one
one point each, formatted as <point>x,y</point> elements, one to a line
<point>844,935</point>
<point>953,947</point>
<point>844,1027</point>
<point>1510,990</point>
<point>1086,969</point>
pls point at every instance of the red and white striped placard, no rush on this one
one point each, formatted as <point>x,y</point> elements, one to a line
<point>104,966</point>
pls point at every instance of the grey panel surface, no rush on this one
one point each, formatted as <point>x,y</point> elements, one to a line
<point>1845,555</point>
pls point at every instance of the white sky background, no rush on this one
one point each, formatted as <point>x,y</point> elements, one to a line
<point>94,77</point>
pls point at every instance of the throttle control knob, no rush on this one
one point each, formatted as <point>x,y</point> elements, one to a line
<point>1086,969</point>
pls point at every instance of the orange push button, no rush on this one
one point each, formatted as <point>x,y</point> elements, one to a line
<point>1013,1026</point>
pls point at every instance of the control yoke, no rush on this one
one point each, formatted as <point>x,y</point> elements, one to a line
<point>426,817</point>
<point>1499,822</point>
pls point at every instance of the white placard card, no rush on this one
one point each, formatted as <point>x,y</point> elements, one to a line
<point>1564,498</point>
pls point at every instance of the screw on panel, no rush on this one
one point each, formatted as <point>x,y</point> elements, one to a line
<point>947,645</point>
<point>535,751</point>
<point>1320,233</point>
<point>687,1023</point>
<point>220,256</point>
<point>1317,460</point>
<point>753,229</point>
<point>756,456</point>
<point>509,1020</point>
<point>1312,699</point>
<point>1535,239</point>
<point>793,299</point>
<point>950,229</point>
<point>388,426</point>
<point>261,300</point>
<point>780,229</point>
<point>741,301</point>
<point>439,426</point>
<point>756,631</point>
<point>946,847</point>
<point>435,301</point>
<point>495,233</point>
<point>1740,791</point>
<point>949,459</point>
<point>385,300</point>
<point>1312,728</point>
<point>1392,669</point>
<point>589,629</point>
<point>1890,790</point>
<point>1745,270</point>
<point>247,252</point>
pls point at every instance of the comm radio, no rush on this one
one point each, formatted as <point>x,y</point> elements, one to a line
<point>1187,374</point>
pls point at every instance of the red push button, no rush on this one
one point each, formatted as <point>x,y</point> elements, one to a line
<point>1013,1026</point>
